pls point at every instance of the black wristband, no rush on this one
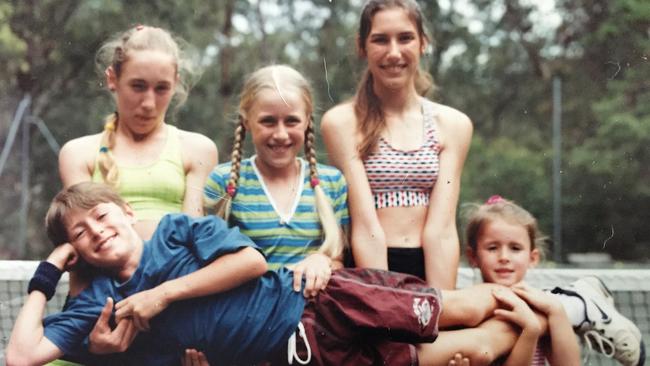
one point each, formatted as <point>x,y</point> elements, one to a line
<point>45,279</point>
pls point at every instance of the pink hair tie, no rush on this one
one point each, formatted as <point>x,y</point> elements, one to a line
<point>494,199</point>
<point>231,190</point>
<point>314,182</point>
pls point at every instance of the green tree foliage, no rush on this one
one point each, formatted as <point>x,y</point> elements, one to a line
<point>607,195</point>
<point>493,60</point>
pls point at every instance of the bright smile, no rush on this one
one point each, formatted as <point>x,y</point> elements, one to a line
<point>105,243</point>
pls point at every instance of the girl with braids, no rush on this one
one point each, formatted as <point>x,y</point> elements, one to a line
<point>156,167</point>
<point>401,153</point>
<point>293,208</point>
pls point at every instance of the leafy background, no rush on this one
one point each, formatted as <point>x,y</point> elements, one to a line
<point>495,60</point>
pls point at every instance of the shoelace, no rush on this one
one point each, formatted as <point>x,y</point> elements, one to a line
<point>292,352</point>
<point>594,336</point>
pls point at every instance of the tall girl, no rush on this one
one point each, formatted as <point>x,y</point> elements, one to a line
<point>401,153</point>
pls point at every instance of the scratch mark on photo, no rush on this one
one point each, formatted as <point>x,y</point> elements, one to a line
<point>611,236</point>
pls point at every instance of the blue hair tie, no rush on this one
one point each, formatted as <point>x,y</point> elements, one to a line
<point>103,149</point>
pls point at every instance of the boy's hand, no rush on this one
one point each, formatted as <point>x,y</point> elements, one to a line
<point>517,311</point>
<point>316,269</point>
<point>193,357</point>
<point>104,340</point>
<point>63,256</point>
<point>141,307</point>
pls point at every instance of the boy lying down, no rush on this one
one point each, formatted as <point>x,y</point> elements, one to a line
<point>198,284</point>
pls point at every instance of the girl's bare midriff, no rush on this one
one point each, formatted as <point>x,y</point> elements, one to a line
<point>403,226</point>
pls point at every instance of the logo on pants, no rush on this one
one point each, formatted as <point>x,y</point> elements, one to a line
<point>423,311</point>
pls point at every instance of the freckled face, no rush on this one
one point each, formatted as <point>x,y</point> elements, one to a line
<point>393,48</point>
<point>277,124</point>
<point>143,89</point>
<point>503,252</point>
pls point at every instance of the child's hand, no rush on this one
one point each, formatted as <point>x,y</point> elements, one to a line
<point>193,357</point>
<point>517,311</point>
<point>317,271</point>
<point>104,340</point>
<point>540,300</point>
<point>458,360</point>
<point>63,256</point>
<point>141,307</point>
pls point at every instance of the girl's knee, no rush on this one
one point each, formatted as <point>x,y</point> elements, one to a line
<point>482,354</point>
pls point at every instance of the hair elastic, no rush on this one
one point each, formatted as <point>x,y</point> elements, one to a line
<point>314,182</point>
<point>494,199</point>
<point>45,279</point>
<point>231,190</point>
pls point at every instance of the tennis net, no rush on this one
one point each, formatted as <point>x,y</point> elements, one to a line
<point>631,290</point>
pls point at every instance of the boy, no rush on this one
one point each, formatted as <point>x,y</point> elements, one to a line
<point>238,313</point>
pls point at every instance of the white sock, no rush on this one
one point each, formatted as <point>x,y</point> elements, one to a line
<point>574,308</point>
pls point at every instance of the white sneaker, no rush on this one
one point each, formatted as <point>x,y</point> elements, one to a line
<point>605,329</point>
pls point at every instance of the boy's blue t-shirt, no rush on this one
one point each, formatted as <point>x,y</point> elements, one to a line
<point>241,326</point>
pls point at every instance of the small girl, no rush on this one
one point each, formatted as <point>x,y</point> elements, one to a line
<point>503,242</point>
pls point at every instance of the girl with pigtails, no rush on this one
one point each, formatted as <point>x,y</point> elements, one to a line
<point>293,208</point>
<point>156,167</point>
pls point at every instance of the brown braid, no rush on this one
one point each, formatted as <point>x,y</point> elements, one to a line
<point>224,204</point>
<point>105,160</point>
<point>310,152</point>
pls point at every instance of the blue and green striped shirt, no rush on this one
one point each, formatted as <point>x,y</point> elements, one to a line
<point>284,240</point>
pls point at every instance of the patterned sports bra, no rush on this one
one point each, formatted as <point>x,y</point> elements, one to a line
<point>404,178</point>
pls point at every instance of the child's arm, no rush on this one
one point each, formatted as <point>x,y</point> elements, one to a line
<point>28,345</point>
<point>224,273</point>
<point>564,348</point>
<point>522,315</point>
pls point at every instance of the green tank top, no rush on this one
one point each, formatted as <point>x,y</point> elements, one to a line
<point>156,189</point>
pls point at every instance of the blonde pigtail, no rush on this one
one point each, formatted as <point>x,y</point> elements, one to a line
<point>224,205</point>
<point>106,161</point>
<point>332,245</point>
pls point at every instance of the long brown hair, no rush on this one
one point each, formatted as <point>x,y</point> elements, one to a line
<point>270,77</point>
<point>367,106</point>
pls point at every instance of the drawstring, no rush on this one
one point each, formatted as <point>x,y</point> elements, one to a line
<point>291,346</point>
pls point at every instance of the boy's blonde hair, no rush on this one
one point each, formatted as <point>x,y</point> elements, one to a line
<point>84,195</point>
<point>497,207</point>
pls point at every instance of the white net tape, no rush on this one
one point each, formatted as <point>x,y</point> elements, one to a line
<point>631,289</point>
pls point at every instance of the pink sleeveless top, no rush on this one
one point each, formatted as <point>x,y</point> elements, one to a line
<point>405,178</point>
